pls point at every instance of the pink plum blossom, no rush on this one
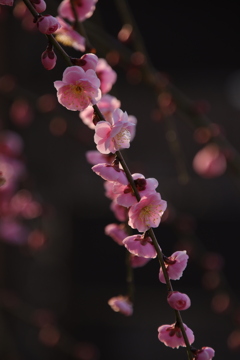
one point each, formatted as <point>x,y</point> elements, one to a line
<point>178,301</point>
<point>88,61</point>
<point>47,24</point>
<point>210,162</point>
<point>6,2</point>
<point>39,5</point>
<point>171,335</point>
<point>117,232</point>
<point>107,104</point>
<point>94,157</point>
<point>205,353</point>
<point>125,195</point>
<point>106,75</point>
<point>137,261</point>
<point>78,88</point>
<point>147,212</point>
<point>110,172</point>
<point>120,212</point>
<point>140,245</point>
<point>67,36</point>
<point>84,9</point>
<point>121,304</point>
<point>108,186</point>
<point>175,265</point>
<point>115,135</point>
<point>49,59</point>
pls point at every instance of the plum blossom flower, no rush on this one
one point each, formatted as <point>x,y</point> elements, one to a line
<point>117,232</point>
<point>121,304</point>
<point>171,335</point>
<point>110,172</point>
<point>175,265</point>
<point>67,36</point>
<point>84,9</point>
<point>87,61</point>
<point>106,75</point>
<point>120,212</point>
<point>49,58</point>
<point>78,88</point>
<point>140,245</point>
<point>108,186</point>
<point>205,353</point>
<point>6,2</point>
<point>147,212</point>
<point>210,162</point>
<point>94,157</point>
<point>47,24</point>
<point>178,301</point>
<point>107,104</point>
<point>137,261</point>
<point>116,135</point>
<point>125,195</point>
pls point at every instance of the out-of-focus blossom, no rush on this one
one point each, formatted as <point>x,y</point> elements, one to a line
<point>178,301</point>
<point>67,36</point>
<point>106,75</point>
<point>175,265</point>
<point>84,9</point>
<point>116,135</point>
<point>117,232</point>
<point>47,24</point>
<point>6,2</point>
<point>171,335</point>
<point>88,61</point>
<point>205,353</point>
<point>39,5</point>
<point>12,231</point>
<point>210,162</point>
<point>121,304</point>
<point>108,186</point>
<point>107,104</point>
<point>147,212</point>
<point>140,245</point>
<point>78,88</point>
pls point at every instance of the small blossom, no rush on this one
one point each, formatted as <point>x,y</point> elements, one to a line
<point>49,59</point>
<point>116,232</point>
<point>125,195</point>
<point>210,162</point>
<point>147,212</point>
<point>94,157</point>
<point>6,2</point>
<point>84,9</point>
<point>110,172</point>
<point>111,137</point>
<point>67,36</point>
<point>171,335</point>
<point>47,24</point>
<point>106,75</point>
<point>205,353</point>
<point>78,88</point>
<point>140,245</point>
<point>175,265</point>
<point>137,261</point>
<point>39,5</point>
<point>107,104</point>
<point>178,301</point>
<point>121,304</point>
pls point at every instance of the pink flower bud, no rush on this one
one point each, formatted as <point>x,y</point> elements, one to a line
<point>39,5</point>
<point>88,61</point>
<point>205,353</point>
<point>47,24</point>
<point>49,59</point>
<point>178,301</point>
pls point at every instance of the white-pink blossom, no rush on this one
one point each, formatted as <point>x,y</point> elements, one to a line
<point>147,212</point>
<point>117,232</point>
<point>171,335</point>
<point>107,104</point>
<point>47,24</point>
<point>175,265</point>
<point>84,9</point>
<point>178,300</point>
<point>106,75</point>
<point>140,245</point>
<point>78,88</point>
<point>121,304</point>
<point>205,353</point>
<point>125,195</point>
<point>115,135</point>
<point>67,36</point>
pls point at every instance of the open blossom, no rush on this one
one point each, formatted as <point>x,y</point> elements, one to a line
<point>171,335</point>
<point>67,36</point>
<point>115,135</point>
<point>47,24</point>
<point>125,195</point>
<point>121,304</point>
<point>78,88</point>
<point>140,245</point>
<point>106,75</point>
<point>175,265</point>
<point>178,301</point>
<point>84,9</point>
<point>205,353</point>
<point>147,212</point>
<point>107,104</point>
<point>117,232</point>
<point>110,172</point>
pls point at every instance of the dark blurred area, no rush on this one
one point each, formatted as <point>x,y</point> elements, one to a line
<point>55,287</point>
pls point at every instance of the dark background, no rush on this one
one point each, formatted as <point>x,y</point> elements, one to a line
<point>80,268</point>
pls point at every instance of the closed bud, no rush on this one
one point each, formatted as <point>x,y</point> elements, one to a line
<point>39,5</point>
<point>49,59</point>
<point>47,24</point>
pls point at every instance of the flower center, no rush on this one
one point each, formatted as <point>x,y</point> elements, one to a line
<point>76,89</point>
<point>122,137</point>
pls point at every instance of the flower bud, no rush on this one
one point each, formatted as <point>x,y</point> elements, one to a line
<point>47,24</point>
<point>205,353</point>
<point>88,61</point>
<point>49,59</point>
<point>39,5</point>
<point>178,301</point>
